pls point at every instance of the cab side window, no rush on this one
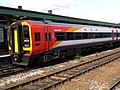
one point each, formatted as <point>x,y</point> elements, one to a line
<point>37,36</point>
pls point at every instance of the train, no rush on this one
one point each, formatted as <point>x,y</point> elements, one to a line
<point>33,41</point>
<point>3,41</point>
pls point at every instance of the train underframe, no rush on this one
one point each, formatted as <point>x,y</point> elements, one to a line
<point>63,52</point>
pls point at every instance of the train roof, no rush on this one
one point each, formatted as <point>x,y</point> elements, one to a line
<point>57,23</point>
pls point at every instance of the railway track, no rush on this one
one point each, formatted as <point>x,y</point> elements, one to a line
<point>10,70</point>
<point>46,81</point>
<point>115,85</point>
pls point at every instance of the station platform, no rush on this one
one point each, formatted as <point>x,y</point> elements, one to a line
<point>5,60</point>
<point>3,51</point>
<point>4,55</point>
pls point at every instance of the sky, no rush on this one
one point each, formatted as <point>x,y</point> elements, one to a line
<point>98,10</point>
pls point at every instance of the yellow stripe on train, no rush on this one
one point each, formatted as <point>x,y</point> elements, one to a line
<point>16,40</point>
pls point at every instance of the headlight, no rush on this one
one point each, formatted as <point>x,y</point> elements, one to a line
<point>16,57</point>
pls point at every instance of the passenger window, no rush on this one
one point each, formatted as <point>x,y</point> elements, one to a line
<point>37,37</point>
<point>78,36</point>
<point>70,36</point>
<point>60,36</point>
<point>91,35</point>
<point>85,35</point>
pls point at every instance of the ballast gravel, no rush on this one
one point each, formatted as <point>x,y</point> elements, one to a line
<point>98,79</point>
<point>6,81</point>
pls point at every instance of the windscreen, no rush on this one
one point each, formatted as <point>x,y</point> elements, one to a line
<point>26,37</point>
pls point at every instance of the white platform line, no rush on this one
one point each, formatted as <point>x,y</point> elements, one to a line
<point>1,56</point>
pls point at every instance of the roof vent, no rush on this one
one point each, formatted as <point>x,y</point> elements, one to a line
<point>50,11</point>
<point>20,7</point>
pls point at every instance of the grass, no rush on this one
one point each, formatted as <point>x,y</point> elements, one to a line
<point>78,57</point>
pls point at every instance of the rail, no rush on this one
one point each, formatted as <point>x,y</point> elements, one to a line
<point>46,81</point>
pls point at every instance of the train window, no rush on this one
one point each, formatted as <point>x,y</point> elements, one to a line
<point>106,35</point>
<point>60,36</point>
<point>49,36</point>
<point>26,36</point>
<point>101,35</point>
<point>37,36</point>
<point>97,35</point>
<point>70,36</point>
<point>91,35</point>
<point>85,35</point>
<point>116,34</point>
<point>46,37</point>
<point>78,36</point>
<point>109,35</point>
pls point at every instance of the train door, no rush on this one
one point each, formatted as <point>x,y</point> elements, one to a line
<point>113,35</point>
<point>16,38</point>
<point>48,39</point>
<point>116,34</point>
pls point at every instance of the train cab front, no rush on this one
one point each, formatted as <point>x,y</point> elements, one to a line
<point>19,43</point>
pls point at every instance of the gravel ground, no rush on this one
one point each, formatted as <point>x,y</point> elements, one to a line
<point>99,79</point>
<point>117,88</point>
<point>6,81</point>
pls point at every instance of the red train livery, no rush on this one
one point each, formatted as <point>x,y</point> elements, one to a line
<point>30,40</point>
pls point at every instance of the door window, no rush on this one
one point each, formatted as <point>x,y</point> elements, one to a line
<point>47,37</point>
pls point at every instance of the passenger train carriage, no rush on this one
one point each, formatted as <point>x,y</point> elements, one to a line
<point>29,40</point>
